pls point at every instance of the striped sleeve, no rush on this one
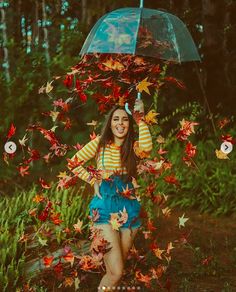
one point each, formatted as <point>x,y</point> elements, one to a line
<point>85,154</point>
<point>145,138</point>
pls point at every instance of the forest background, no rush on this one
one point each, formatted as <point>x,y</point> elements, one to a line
<point>42,39</point>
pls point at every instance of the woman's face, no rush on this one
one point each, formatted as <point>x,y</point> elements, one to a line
<point>120,123</point>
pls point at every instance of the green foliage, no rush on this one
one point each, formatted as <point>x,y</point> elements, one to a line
<point>15,221</point>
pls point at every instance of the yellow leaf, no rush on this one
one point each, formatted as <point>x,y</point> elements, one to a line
<point>158,252</point>
<point>143,86</point>
<point>169,247</point>
<point>221,155</point>
<point>93,123</point>
<point>62,174</point>
<point>54,115</point>
<point>114,65</point>
<point>114,221</point>
<point>78,226</point>
<point>68,282</point>
<point>150,117</point>
<point>166,211</point>
<point>49,86</point>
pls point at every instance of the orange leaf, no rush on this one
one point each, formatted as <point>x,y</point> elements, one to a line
<point>47,261</point>
<point>69,257</point>
<point>113,65</point>
<point>78,226</point>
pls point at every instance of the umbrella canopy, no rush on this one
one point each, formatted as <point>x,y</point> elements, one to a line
<point>142,31</point>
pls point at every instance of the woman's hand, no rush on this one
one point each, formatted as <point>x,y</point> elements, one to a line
<point>138,110</point>
<point>96,188</point>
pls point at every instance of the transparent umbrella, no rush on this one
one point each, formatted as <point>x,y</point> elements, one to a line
<point>141,31</point>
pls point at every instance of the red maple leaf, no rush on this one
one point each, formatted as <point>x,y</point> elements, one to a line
<point>44,184</point>
<point>177,82</point>
<point>190,150</point>
<point>73,163</point>
<point>58,268</point>
<point>47,261</point>
<point>171,179</point>
<point>228,138</point>
<point>23,170</point>
<point>11,131</point>
<point>55,218</point>
<point>68,81</point>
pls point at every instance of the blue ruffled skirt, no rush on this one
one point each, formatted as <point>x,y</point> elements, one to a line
<point>113,202</point>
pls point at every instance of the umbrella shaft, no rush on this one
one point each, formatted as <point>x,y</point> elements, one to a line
<point>141,4</point>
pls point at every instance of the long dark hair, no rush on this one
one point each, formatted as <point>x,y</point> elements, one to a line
<point>128,157</point>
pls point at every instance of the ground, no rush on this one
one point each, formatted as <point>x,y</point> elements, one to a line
<point>207,263</point>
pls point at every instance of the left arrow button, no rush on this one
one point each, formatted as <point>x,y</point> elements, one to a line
<point>10,147</point>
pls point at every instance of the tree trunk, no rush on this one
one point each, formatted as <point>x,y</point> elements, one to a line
<point>45,38</point>
<point>5,64</point>
<point>35,35</point>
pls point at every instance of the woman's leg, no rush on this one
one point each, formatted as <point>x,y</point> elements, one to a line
<point>113,259</point>
<point>127,239</point>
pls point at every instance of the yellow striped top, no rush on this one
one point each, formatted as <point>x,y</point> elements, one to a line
<point>112,160</point>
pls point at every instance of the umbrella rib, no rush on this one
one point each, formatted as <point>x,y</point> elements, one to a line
<point>174,38</point>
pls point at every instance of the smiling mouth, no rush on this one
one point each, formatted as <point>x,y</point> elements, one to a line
<point>120,130</point>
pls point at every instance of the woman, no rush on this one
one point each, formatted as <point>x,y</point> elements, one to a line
<point>116,158</point>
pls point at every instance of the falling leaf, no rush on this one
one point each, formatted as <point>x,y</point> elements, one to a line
<point>49,87</point>
<point>23,140</point>
<point>221,155</point>
<point>43,242</point>
<point>182,221</point>
<point>24,237</point>
<point>128,193</point>
<point>78,226</point>
<point>171,179</point>
<point>143,86</point>
<point>68,282</point>
<point>47,261</point>
<point>139,151</point>
<point>158,253</point>
<point>11,131</point>
<point>62,174</point>
<point>23,170</point>
<point>169,247</point>
<point>69,257</point>
<point>41,90</point>
<point>135,184</point>
<point>93,136</point>
<point>114,221</point>
<point>114,65</point>
<point>44,184</point>
<point>150,117</point>
<point>166,211</point>
<point>123,216</point>
<point>55,218</point>
<point>93,123</point>
<point>54,115</point>
<point>143,278</point>
<point>223,122</point>
<point>38,198</point>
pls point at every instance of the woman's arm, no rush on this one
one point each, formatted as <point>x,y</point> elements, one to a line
<point>144,144</point>
<point>84,155</point>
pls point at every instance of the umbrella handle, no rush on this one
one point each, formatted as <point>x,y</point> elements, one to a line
<point>127,105</point>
